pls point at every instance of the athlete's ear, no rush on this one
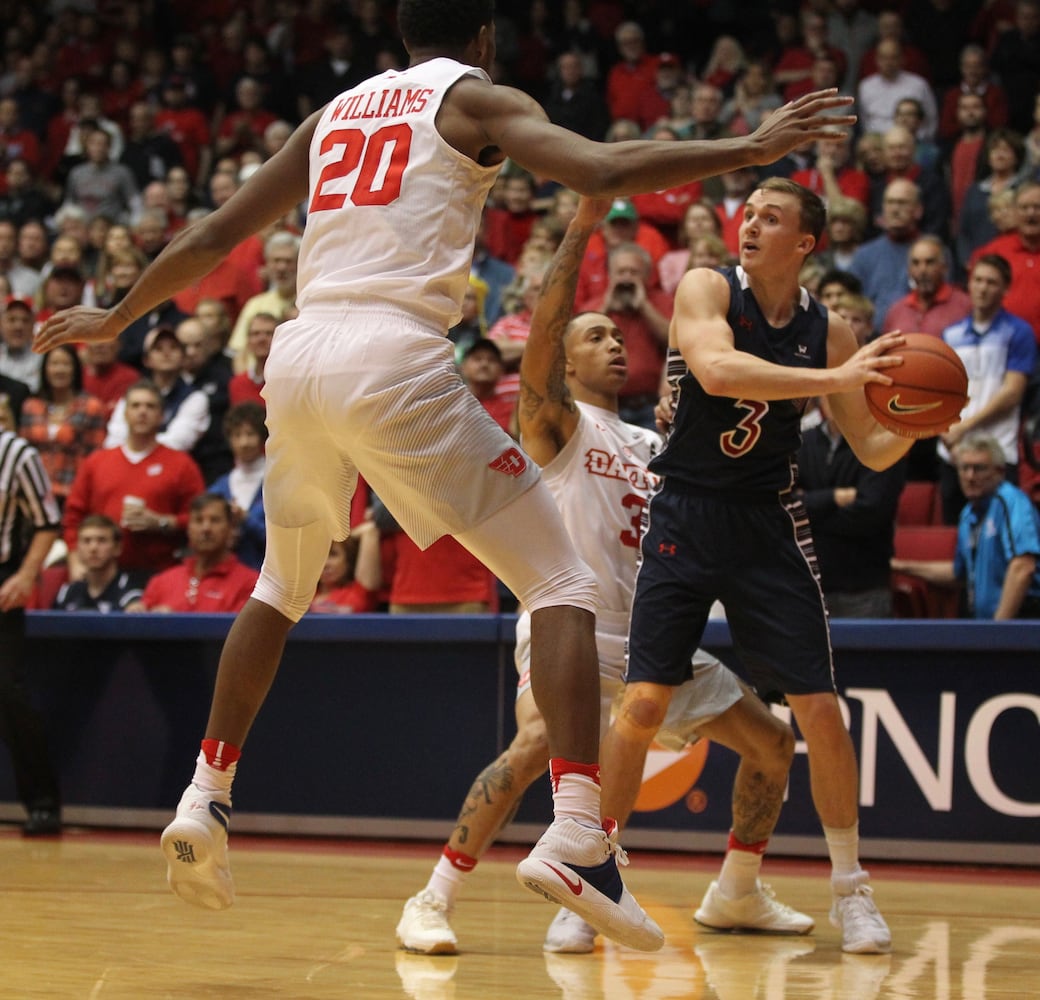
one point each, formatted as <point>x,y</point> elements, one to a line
<point>807,242</point>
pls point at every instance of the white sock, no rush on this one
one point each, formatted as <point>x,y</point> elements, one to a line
<point>739,872</point>
<point>213,779</point>
<point>577,796</point>
<point>446,881</point>
<point>843,847</point>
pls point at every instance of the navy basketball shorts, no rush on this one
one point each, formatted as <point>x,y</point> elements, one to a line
<point>757,559</point>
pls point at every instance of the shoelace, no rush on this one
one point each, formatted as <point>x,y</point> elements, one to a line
<point>768,891</point>
<point>610,828</point>
<point>431,909</point>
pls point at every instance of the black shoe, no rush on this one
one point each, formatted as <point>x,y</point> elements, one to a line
<point>42,823</point>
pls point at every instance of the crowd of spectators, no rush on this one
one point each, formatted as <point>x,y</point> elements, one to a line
<point>122,121</point>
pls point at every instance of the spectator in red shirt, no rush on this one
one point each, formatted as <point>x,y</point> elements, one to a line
<point>975,79</point>
<point>642,313</point>
<point>633,75</point>
<point>142,485</point>
<point>210,579</point>
<point>104,376</point>
<point>655,102</point>
<point>793,70</point>
<point>16,142</point>
<point>622,224</point>
<point>834,175</point>
<point>933,304</point>
<point>665,209</point>
<point>1021,249</point>
<point>352,574</point>
<point>481,370</point>
<point>507,228</point>
<point>186,126</point>
<point>243,129</point>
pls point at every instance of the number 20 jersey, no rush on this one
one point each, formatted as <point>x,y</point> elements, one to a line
<point>393,209</point>
<point>718,444</point>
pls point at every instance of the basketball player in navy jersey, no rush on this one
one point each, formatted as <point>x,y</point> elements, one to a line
<point>595,464</point>
<point>395,174</point>
<point>748,347</point>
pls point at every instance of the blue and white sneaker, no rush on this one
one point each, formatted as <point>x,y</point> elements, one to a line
<point>195,845</point>
<point>577,866</point>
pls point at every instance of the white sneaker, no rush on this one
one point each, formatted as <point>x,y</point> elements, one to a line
<point>577,866</point>
<point>863,929</point>
<point>757,911</point>
<point>424,926</point>
<point>195,845</point>
<point>426,978</point>
<point>569,934</point>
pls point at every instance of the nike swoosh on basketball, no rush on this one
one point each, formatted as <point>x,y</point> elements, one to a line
<point>575,887</point>
<point>894,406</point>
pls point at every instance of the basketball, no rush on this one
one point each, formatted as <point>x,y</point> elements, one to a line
<point>928,390</point>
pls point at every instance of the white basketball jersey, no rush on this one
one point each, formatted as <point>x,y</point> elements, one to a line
<point>393,209</point>
<point>601,485</point>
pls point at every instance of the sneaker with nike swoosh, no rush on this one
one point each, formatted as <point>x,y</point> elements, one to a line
<point>577,866</point>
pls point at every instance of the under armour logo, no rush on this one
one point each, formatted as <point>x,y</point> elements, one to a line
<point>511,462</point>
<point>666,548</point>
<point>745,322</point>
<point>802,349</point>
<point>185,852</point>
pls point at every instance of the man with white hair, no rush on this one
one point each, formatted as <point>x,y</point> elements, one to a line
<point>281,254</point>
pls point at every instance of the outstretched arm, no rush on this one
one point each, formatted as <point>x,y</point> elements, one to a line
<point>478,117</point>
<point>546,411</point>
<point>278,186</point>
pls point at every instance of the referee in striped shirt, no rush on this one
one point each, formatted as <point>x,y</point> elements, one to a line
<point>29,524</point>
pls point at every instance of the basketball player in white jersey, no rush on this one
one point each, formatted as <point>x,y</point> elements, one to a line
<point>395,174</point>
<point>595,466</point>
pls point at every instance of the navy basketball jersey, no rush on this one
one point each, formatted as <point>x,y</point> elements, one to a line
<point>720,444</point>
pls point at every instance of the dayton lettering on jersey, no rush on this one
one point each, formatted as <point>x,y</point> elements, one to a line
<point>384,103</point>
<point>603,463</point>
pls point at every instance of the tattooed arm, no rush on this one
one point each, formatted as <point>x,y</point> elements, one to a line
<point>546,411</point>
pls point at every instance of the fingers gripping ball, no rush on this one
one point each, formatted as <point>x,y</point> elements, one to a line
<point>928,390</point>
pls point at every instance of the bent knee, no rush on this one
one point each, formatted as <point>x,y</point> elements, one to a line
<point>642,711</point>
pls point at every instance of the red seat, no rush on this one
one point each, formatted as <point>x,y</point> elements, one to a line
<point>47,585</point>
<point>913,597</point>
<point>919,504</point>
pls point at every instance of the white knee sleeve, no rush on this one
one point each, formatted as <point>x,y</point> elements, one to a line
<point>292,565</point>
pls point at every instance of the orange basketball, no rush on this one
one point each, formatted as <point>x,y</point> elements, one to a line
<point>928,390</point>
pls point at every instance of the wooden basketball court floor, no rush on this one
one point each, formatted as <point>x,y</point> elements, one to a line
<point>88,916</point>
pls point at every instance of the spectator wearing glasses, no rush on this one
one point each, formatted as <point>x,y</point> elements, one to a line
<point>998,539</point>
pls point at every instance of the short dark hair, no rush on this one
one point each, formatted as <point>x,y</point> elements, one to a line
<point>246,415</point>
<point>999,264</point>
<point>812,211</point>
<point>101,521</point>
<point>205,499</point>
<point>847,280</point>
<point>442,23</point>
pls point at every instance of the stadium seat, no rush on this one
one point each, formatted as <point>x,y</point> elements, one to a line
<point>913,597</point>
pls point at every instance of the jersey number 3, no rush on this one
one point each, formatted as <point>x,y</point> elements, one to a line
<point>383,157</point>
<point>745,435</point>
